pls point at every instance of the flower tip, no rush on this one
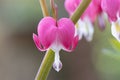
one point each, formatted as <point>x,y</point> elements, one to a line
<point>34,35</point>
<point>57,66</point>
<point>37,43</point>
<point>35,38</point>
<point>115,29</point>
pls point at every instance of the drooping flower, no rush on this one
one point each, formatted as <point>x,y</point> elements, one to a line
<point>89,15</point>
<point>56,35</point>
<point>112,8</point>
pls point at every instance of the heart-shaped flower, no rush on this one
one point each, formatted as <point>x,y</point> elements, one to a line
<point>56,35</point>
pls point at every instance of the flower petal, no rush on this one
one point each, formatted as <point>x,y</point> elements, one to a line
<point>38,44</point>
<point>57,65</point>
<point>80,29</point>
<point>73,45</point>
<point>47,31</point>
<point>115,29</point>
<point>91,12</point>
<point>90,30</point>
<point>85,28</point>
<point>111,7</point>
<point>101,22</point>
<point>66,31</point>
<point>71,5</point>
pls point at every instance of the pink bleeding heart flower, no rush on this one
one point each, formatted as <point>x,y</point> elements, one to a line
<point>56,35</point>
<point>112,8</point>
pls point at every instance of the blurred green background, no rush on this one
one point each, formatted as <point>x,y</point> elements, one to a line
<point>20,59</point>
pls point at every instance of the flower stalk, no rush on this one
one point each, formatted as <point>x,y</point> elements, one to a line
<point>49,57</point>
<point>79,11</point>
<point>44,7</point>
<point>46,65</point>
<point>54,9</point>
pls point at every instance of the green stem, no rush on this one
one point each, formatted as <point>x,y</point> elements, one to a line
<point>49,57</point>
<point>45,66</point>
<point>79,11</point>
<point>44,7</point>
<point>54,9</point>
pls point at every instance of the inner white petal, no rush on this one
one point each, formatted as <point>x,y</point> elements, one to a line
<point>80,29</point>
<point>85,28</point>
<point>89,28</point>
<point>56,47</point>
<point>115,29</point>
<point>57,65</point>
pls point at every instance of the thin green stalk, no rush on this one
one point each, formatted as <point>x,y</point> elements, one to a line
<point>44,7</point>
<point>79,11</point>
<point>45,66</point>
<point>49,57</point>
<point>54,9</point>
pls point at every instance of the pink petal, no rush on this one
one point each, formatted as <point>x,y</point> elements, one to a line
<point>37,43</point>
<point>73,45</point>
<point>111,7</point>
<point>47,31</point>
<point>92,11</point>
<point>66,31</point>
<point>97,2</point>
<point>71,5</point>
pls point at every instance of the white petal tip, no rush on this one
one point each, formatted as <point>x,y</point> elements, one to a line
<point>86,29</point>
<point>115,29</point>
<point>57,66</point>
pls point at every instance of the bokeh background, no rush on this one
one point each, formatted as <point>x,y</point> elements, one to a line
<point>20,59</point>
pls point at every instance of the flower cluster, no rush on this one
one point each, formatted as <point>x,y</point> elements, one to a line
<point>64,34</point>
<point>85,24</point>
<point>96,9</point>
